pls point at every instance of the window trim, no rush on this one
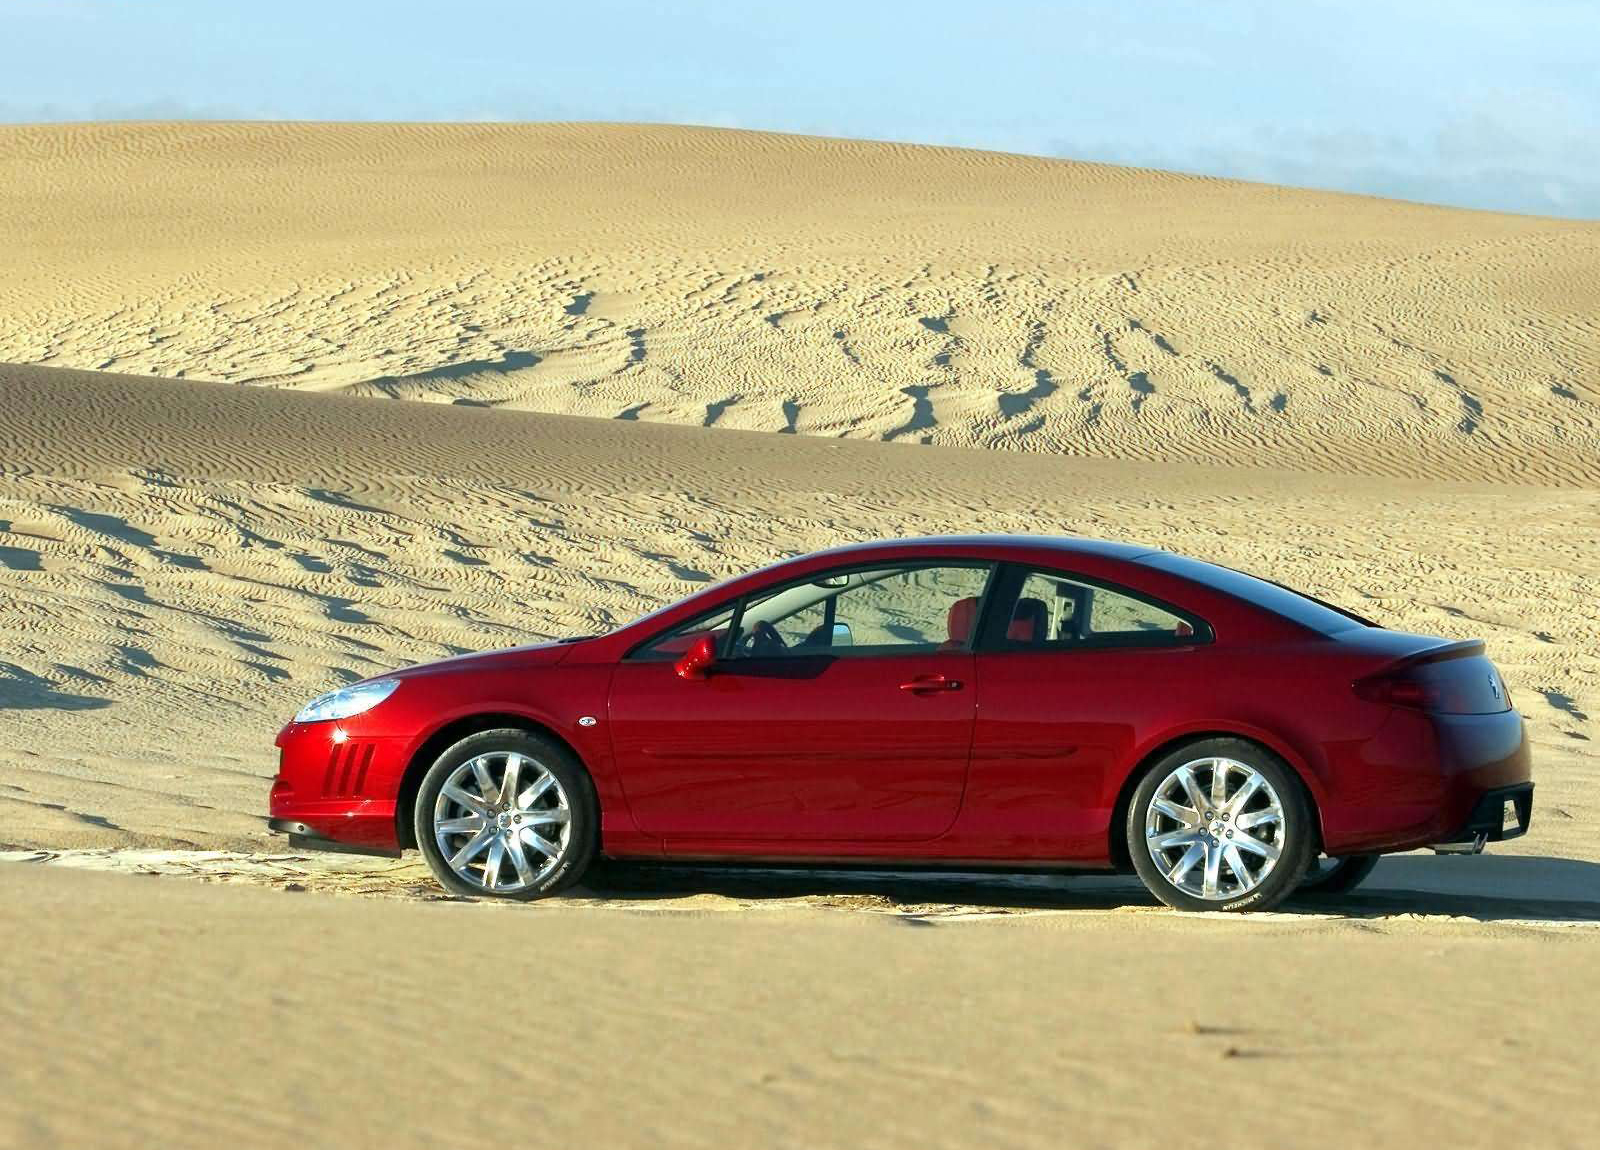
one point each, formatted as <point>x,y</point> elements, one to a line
<point>634,654</point>
<point>1173,564</point>
<point>726,652</point>
<point>1007,587</point>
<point>1334,607</point>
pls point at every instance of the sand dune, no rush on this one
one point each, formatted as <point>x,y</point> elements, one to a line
<point>827,287</point>
<point>1391,406</point>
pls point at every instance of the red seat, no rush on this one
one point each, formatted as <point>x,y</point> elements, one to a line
<point>958,623</point>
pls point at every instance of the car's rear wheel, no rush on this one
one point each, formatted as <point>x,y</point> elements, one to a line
<point>1328,876</point>
<point>1220,824</point>
<point>506,814</point>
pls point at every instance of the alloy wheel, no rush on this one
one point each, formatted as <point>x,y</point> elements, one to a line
<point>502,822</point>
<point>1215,828</point>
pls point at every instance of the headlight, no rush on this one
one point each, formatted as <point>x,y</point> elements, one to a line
<point>347,701</point>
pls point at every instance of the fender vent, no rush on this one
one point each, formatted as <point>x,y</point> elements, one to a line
<point>347,768</point>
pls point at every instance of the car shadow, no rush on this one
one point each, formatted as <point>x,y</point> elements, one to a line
<point>889,889</point>
<point>1486,888</point>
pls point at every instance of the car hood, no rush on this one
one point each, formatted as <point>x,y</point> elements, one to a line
<point>531,655</point>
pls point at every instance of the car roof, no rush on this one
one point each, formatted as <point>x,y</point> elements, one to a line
<point>1101,557</point>
<point>1065,544</point>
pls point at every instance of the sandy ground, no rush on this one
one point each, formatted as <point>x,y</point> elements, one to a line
<point>182,1014</point>
<point>1391,406</point>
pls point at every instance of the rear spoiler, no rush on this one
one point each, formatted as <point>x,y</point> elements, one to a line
<point>1464,649</point>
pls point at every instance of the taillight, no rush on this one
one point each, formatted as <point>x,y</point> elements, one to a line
<point>1395,690</point>
<point>1450,686</point>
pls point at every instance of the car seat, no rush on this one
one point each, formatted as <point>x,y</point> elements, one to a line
<point>1029,622</point>
<point>958,623</point>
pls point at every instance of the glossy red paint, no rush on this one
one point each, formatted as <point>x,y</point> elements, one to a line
<point>971,753</point>
<point>808,749</point>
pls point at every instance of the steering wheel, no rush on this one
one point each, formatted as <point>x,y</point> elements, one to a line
<point>763,639</point>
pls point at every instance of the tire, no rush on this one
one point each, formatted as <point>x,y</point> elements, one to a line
<point>1337,876</point>
<point>555,832</point>
<point>1265,804</point>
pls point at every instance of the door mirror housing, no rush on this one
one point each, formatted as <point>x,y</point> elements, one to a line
<point>842,636</point>
<point>697,661</point>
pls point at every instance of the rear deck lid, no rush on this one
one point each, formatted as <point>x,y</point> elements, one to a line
<point>1442,677</point>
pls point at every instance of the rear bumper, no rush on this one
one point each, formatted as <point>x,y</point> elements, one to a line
<point>1429,779</point>
<point>1488,818</point>
<point>1483,760</point>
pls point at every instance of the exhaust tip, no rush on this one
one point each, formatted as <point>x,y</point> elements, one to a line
<point>1475,847</point>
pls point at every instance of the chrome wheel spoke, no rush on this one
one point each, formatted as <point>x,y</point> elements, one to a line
<point>1241,797</point>
<point>508,781</point>
<point>1236,864</point>
<point>519,859</point>
<point>1213,875</point>
<point>1193,855</point>
<point>1219,784</point>
<point>470,825</point>
<point>472,802</point>
<point>1256,819</point>
<point>1177,838</point>
<point>539,843</point>
<point>532,795</point>
<point>1191,786</point>
<point>486,787</point>
<point>1255,846</point>
<point>552,815</point>
<point>471,850</point>
<point>491,865</point>
<point>1185,815</point>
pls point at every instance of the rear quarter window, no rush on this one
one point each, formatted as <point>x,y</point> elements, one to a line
<point>1323,618</point>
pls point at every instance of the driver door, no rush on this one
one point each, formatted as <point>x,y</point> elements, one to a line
<point>841,710</point>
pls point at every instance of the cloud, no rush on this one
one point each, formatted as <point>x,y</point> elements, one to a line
<point>166,108</point>
<point>1477,160</point>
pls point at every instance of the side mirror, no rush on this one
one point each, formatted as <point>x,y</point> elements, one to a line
<point>842,636</point>
<point>697,661</point>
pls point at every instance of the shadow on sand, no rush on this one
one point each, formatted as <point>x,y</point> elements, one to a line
<point>22,690</point>
<point>1487,888</point>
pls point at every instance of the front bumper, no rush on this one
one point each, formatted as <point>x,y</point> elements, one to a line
<point>302,837</point>
<point>337,783</point>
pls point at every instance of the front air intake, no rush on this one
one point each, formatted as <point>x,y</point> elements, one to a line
<point>347,769</point>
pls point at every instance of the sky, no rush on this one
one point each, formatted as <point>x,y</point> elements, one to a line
<point>1478,103</point>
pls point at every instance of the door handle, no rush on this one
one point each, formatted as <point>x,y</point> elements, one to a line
<point>925,683</point>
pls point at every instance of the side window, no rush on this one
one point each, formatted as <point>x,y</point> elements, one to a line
<point>1056,610</point>
<point>678,640</point>
<point>897,609</point>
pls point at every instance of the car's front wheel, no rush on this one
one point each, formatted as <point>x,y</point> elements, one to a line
<point>507,814</point>
<point>1221,824</point>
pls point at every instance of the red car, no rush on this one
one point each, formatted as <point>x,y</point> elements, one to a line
<point>1000,702</point>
